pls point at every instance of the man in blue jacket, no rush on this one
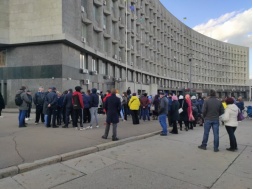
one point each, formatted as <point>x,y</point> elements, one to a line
<point>86,110</point>
<point>67,102</point>
<point>94,100</point>
<point>51,101</point>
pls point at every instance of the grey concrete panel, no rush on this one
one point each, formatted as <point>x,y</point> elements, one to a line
<point>143,153</point>
<point>90,163</point>
<point>228,181</point>
<point>47,177</point>
<point>122,176</point>
<point>9,183</point>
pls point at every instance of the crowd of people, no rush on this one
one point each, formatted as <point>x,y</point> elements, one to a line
<point>55,109</point>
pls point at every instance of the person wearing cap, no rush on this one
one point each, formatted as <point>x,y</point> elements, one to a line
<point>51,102</point>
<point>67,103</point>
<point>29,95</point>
<point>23,107</point>
<point>212,110</point>
<point>38,101</point>
<point>77,102</point>
<point>134,105</point>
<point>163,112</point>
<point>112,107</point>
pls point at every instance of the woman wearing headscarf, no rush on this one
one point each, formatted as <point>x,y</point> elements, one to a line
<point>183,117</point>
<point>231,123</point>
<point>174,114</point>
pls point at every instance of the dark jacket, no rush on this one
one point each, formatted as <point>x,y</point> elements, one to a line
<point>39,98</point>
<point>212,109</point>
<point>2,103</point>
<point>240,105</point>
<point>197,105</point>
<point>184,115</point>
<point>169,103</point>
<point>51,99</point>
<point>144,102</point>
<point>31,100</point>
<point>86,101</point>
<point>174,110</point>
<point>112,107</point>
<point>94,100</point>
<point>163,106</point>
<point>45,108</point>
<point>60,102</point>
<point>67,101</point>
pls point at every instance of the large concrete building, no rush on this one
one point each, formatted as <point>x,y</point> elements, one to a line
<point>112,43</point>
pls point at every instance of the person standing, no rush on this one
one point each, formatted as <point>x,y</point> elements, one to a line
<point>2,104</point>
<point>183,116</point>
<point>77,101</point>
<point>134,105</point>
<point>128,92</point>
<point>124,104</point>
<point>169,109</point>
<point>38,101</point>
<point>86,109</point>
<point>156,105</point>
<point>112,107</point>
<point>60,98</point>
<point>45,108</point>
<point>144,107</point>
<point>27,116</point>
<point>163,112</point>
<point>174,115</point>
<point>240,103</point>
<point>51,101</point>
<point>23,107</point>
<point>230,120</point>
<point>212,109</point>
<point>94,101</point>
<point>67,102</point>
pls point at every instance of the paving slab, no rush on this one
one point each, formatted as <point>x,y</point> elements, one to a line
<point>47,177</point>
<point>121,176</point>
<point>89,164</point>
<point>10,183</point>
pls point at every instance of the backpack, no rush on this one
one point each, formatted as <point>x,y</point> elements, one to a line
<point>18,99</point>
<point>76,102</point>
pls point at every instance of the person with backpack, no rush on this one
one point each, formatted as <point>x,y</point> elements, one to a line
<point>51,101</point>
<point>77,102</point>
<point>38,101</point>
<point>22,101</point>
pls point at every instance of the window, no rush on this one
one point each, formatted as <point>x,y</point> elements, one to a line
<point>94,65</point>
<point>84,30</point>
<point>3,57</point>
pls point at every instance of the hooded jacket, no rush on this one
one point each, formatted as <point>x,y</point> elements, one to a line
<point>230,115</point>
<point>134,103</point>
<point>94,99</point>
<point>26,100</point>
<point>76,93</point>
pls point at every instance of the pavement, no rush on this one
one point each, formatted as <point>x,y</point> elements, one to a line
<point>81,159</point>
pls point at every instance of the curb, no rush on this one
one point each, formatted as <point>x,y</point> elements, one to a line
<point>14,170</point>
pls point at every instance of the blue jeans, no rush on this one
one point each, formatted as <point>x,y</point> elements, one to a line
<point>145,113</point>
<point>162,120</point>
<point>21,118</point>
<point>215,126</point>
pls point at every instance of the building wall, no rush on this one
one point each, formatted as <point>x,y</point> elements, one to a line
<point>4,21</point>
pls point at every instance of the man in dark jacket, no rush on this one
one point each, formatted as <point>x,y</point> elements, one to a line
<point>51,101</point>
<point>144,106</point>
<point>169,109</point>
<point>112,107</point>
<point>94,100</point>
<point>2,104</point>
<point>67,103</point>
<point>77,101</point>
<point>38,100</point>
<point>163,112</point>
<point>23,107</point>
<point>212,109</point>
<point>86,110</point>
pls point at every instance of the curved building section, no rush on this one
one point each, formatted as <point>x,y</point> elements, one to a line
<point>112,43</point>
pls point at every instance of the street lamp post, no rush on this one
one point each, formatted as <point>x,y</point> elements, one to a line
<point>190,77</point>
<point>126,42</point>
